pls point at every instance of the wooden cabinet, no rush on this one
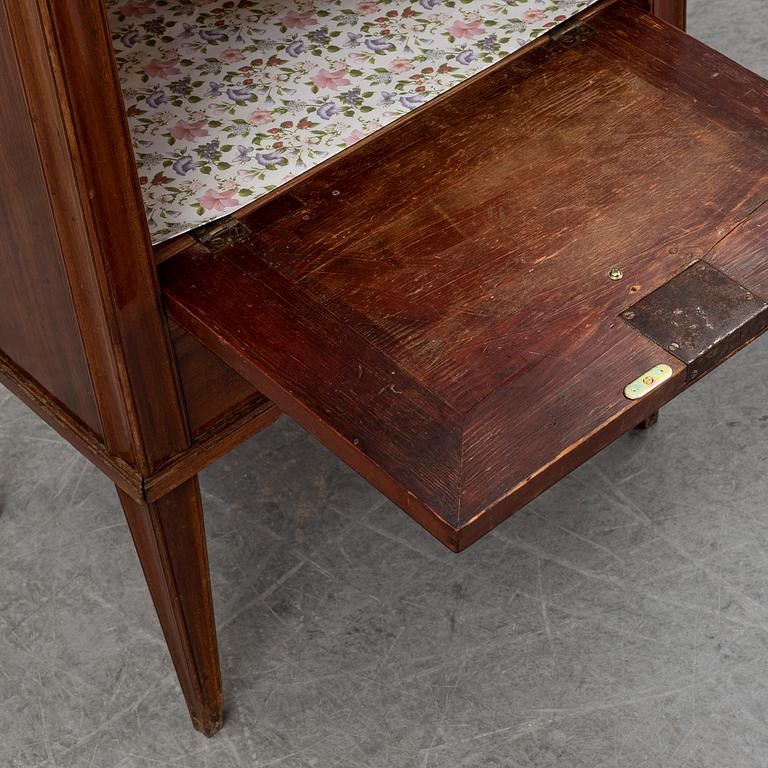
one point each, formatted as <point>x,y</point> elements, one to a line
<point>455,306</point>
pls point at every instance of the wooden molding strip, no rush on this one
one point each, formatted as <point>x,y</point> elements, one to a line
<point>72,429</point>
<point>236,427</point>
<point>231,430</point>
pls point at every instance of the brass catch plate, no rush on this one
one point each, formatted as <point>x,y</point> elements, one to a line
<point>646,383</point>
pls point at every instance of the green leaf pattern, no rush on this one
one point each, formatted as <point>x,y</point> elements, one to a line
<point>229,99</point>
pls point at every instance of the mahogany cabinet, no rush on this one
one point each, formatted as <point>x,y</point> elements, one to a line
<point>464,306</point>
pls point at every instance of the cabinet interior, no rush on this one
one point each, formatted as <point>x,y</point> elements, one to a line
<point>229,101</point>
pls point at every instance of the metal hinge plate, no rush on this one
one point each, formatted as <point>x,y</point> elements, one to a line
<point>221,234</point>
<point>701,316</point>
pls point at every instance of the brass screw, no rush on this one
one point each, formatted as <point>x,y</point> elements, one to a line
<point>629,315</point>
<point>615,274</point>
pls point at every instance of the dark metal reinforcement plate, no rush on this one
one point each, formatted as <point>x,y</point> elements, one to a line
<point>701,316</point>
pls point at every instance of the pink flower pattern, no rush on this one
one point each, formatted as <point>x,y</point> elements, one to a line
<point>297,20</point>
<point>226,100</point>
<point>401,65</point>
<point>260,117</point>
<point>354,136</point>
<point>163,69</point>
<point>222,201</point>
<point>232,55</point>
<point>184,131</point>
<point>331,80</point>
<point>137,8</point>
<point>534,15</point>
<point>466,29</point>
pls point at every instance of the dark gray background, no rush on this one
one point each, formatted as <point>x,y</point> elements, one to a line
<point>619,621</point>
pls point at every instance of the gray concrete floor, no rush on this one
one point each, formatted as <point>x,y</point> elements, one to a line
<point>619,620</point>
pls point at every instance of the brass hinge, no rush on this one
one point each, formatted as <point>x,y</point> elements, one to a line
<point>221,234</point>
<point>571,31</point>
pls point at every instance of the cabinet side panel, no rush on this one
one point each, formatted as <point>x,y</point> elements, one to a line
<point>38,326</point>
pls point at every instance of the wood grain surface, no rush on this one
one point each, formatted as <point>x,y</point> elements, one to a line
<point>38,324</point>
<point>439,312</point>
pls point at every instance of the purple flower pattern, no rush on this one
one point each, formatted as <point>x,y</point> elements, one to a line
<point>228,100</point>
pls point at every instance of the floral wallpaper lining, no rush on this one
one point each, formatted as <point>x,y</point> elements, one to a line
<point>228,99</point>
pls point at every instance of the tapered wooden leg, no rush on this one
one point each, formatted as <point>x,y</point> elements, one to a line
<point>170,540</point>
<point>649,422</point>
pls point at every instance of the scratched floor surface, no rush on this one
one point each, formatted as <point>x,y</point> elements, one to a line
<point>620,620</point>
